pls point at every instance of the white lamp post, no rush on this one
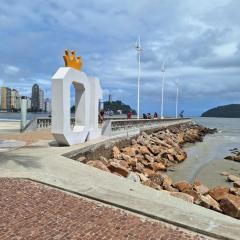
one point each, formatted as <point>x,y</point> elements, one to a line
<point>139,50</point>
<point>177,99</point>
<point>163,75</point>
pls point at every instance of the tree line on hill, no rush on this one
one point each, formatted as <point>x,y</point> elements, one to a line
<point>226,111</point>
<point>115,107</point>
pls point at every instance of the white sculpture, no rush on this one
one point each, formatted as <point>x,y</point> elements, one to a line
<point>87,94</point>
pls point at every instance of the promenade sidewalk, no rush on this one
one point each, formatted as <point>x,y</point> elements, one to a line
<point>9,127</point>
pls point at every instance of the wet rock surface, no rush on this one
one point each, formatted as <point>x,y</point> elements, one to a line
<point>235,155</point>
<point>149,156</point>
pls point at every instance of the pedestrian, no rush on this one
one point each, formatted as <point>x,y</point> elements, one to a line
<point>101,116</point>
<point>129,115</point>
<point>155,115</point>
<point>144,116</point>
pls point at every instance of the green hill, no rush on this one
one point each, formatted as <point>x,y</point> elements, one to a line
<point>114,106</point>
<point>227,111</point>
<point>118,105</point>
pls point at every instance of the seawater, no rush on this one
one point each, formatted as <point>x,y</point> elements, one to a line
<point>4,116</point>
<point>210,152</point>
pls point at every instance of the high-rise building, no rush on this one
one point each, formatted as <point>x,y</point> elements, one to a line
<point>35,98</point>
<point>15,99</point>
<point>18,102</point>
<point>47,105</point>
<point>29,103</point>
<point>5,98</point>
<point>41,100</point>
<point>110,98</point>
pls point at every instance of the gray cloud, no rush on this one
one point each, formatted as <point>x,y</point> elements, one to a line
<point>200,42</point>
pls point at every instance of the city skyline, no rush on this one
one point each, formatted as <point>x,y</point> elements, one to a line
<point>201,50</point>
<point>10,100</point>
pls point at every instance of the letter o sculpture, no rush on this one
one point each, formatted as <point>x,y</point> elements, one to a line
<point>87,95</point>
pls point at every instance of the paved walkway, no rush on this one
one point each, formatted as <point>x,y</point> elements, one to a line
<point>31,210</point>
<point>28,137</point>
<point>9,126</point>
<point>44,162</point>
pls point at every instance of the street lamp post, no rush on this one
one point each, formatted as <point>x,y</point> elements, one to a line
<point>139,50</point>
<point>163,76</point>
<point>177,99</point>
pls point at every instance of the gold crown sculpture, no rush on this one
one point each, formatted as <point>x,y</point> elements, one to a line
<point>71,61</point>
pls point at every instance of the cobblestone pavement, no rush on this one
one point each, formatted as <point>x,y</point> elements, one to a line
<point>30,210</point>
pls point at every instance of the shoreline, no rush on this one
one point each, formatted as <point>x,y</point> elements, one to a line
<point>206,161</point>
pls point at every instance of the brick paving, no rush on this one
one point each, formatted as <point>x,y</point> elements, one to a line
<point>30,210</point>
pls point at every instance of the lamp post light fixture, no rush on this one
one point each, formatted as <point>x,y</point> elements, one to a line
<point>139,50</point>
<point>177,90</point>
<point>163,70</point>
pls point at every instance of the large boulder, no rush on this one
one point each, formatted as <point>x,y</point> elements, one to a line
<point>236,184</point>
<point>180,157</point>
<point>130,151</point>
<point>182,196</point>
<point>180,138</point>
<point>231,205</point>
<point>144,150</point>
<point>157,166</point>
<point>122,163</point>
<point>132,162</point>
<point>201,189</point>
<point>218,193</point>
<point>139,167</point>
<point>156,178</point>
<point>169,187</point>
<point>234,191</point>
<point>151,184</point>
<point>229,157</point>
<point>208,202</point>
<point>98,164</point>
<point>233,178</point>
<point>224,173</point>
<point>182,186</point>
<point>117,168</point>
<point>142,141</point>
<point>103,160</point>
<point>147,171</point>
<point>126,157</point>
<point>237,158</point>
<point>154,149</point>
<point>142,177</point>
<point>116,152</point>
<point>170,157</point>
<point>193,193</point>
<point>149,158</point>
<point>166,179</point>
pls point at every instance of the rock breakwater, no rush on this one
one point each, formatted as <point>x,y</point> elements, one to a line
<point>149,156</point>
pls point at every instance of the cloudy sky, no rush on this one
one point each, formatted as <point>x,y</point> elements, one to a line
<point>199,40</point>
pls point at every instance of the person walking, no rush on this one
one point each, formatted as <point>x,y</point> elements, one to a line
<point>101,116</point>
<point>129,115</point>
